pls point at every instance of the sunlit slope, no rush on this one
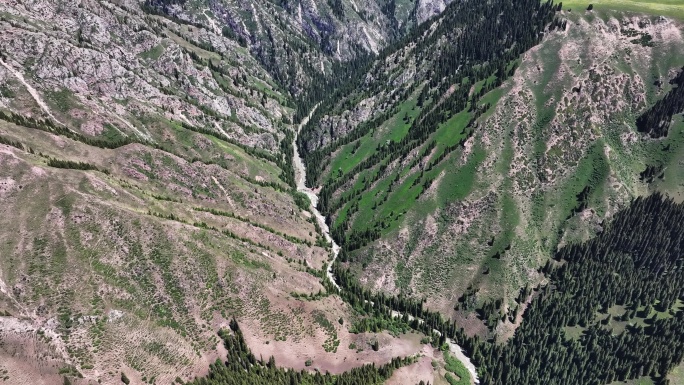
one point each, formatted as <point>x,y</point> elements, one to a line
<point>486,197</point>
<point>667,8</point>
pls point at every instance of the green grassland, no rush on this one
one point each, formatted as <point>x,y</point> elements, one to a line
<point>668,8</point>
<point>388,201</point>
<point>153,53</point>
<point>393,129</point>
<point>676,377</point>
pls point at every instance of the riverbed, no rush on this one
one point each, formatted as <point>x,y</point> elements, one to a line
<point>300,179</point>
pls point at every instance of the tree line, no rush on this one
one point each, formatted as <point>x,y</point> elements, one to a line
<point>657,119</point>
<point>15,144</point>
<point>69,164</point>
<point>241,367</point>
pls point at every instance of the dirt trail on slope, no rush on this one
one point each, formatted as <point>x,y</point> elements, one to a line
<point>31,90</point>
<point>220,186</point>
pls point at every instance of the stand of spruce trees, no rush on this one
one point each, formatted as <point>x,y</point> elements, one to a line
<point>241,367</point>
<point>637,262</point>
<point>656,121</point>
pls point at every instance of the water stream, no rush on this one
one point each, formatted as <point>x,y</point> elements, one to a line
<point>300,179</point>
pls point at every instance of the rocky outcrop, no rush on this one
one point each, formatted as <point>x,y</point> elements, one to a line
<point>104,65</point>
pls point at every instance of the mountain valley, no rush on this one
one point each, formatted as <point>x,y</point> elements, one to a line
<point>475,169</point>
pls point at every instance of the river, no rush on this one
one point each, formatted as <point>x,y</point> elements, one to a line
<point>455,349</point>
<point>300,179</point>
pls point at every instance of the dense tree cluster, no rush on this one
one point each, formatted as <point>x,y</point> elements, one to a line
<point>241,367</point>
<point>327,88</point>
<point>60,163</point>
<point>389,9</point>
<point>160,6</point>
<point>651,172</point>
<point>656,121</point>
<point>337,8</point>
<point>637,263</point>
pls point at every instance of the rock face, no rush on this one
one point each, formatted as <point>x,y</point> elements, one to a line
<point>110,68</point>
<point>426,9</point>
<point>295,39</point>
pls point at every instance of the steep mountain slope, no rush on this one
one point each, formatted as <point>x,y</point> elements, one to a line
<point>111,71</point>
<point>302,41</point>
<point>100,262</point>
<point>471,200</point>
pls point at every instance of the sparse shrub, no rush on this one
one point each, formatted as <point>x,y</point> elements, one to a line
<point>376,345</point>
<point>301,200</point>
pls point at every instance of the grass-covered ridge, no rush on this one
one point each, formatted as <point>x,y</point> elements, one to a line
<point>667,8</point>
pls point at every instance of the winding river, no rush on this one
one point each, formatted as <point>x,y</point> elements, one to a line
<point>300,179</point>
